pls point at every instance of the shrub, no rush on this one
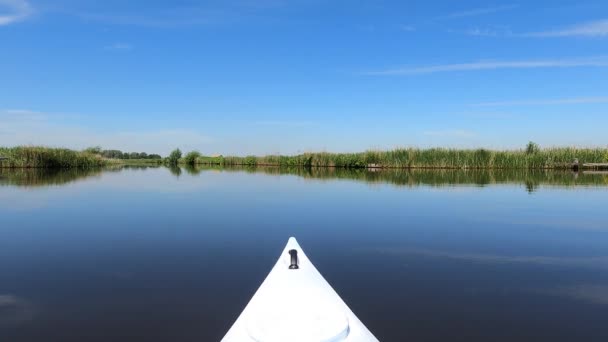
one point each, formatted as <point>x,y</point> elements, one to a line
<point>174,157</point>
<point>192,157</point>
<point>532,148</point>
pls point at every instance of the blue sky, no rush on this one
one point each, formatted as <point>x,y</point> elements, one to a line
<point>272,76</point>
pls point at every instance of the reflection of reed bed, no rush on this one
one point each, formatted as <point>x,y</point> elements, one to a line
<point>137,166</point>
<point>36,177</point>
<point>533,158</point>
<point>44,157</point>
<point>532,179</point>
<point>137,162</point>
<point>416,177</point>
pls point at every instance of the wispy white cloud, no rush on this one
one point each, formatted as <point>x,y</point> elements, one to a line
<point>119,47</point>
<point>24,127</point>
<point>16,11</point>
<point>173,15</point>
<point>495,65</point>
<point>597,28</point>
<point>14,310</point>
<point>493,31</point>
<point>593,293</point>
<point>542,102</point>
<point>595,262</point>
<point>368,28</point>
<point>20,115</point>
<point>483,32</point>
<point>284,123</point>
<point>19,112</point>
<point>407,28</point>
<point>480,11</point>
<point>454,133</point>
<point>490,115</point>
<point>166,19</point>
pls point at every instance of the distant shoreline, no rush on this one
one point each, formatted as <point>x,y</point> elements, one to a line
<point>532,157</point>
<point>435,158</point>
<point>61,158</point>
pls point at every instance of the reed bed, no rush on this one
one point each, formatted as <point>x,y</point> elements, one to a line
<point>434,158</point>
<point>45,157</point>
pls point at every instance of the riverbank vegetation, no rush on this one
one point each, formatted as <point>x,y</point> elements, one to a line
<point>174,157</point>
<point>531,157</point>
<point>61,158</point>
<point>44,157</point>
<point>118,154</point>
<point>192,158</point>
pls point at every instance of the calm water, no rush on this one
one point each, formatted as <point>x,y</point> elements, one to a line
<point>174,255</point>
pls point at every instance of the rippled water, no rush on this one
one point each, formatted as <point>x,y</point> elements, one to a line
<point>153,254</point>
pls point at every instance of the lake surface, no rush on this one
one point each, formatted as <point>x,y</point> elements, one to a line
<point>153,254</point>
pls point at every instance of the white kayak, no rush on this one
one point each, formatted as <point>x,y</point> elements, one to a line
<point>296,304</point>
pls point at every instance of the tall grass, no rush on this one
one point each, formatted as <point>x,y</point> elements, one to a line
<point>45,157</point>
<point>437,158</point>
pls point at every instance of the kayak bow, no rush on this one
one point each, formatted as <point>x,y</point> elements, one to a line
<point>296,304</point>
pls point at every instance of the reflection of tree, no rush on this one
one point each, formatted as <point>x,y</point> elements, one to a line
<point>175,170</point>
<point>193,170</point>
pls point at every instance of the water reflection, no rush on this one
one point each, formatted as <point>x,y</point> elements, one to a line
<point>594,293</point>
<point>176,171</point>
<point>193,170</point>
<point>532,180</point>
<point>45,177</point>
<point>420,255</point>
<point>14,310</point>
<point>33,177</point>
<point>592,262</point>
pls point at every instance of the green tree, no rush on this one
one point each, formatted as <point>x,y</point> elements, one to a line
<point>532,148</point>
<point>93,150</point>
<point>112,154</point>
<point>174,157</point>
<point>191,157</point>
